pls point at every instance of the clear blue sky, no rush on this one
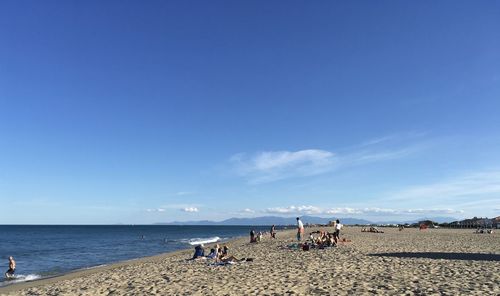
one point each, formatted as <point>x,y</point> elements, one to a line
<point>154,111</point>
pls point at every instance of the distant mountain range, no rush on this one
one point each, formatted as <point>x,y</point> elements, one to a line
<point>434,219</point>
<point>270,220</point>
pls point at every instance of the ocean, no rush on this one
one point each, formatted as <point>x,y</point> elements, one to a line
<point>48,250</point>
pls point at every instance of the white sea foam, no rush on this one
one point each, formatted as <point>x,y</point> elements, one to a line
<point>21,278</point>
<point>97,266</point>
<point>199,241</point>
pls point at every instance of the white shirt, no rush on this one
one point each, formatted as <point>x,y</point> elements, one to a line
<point>339,226</point>
<point>299,224</point>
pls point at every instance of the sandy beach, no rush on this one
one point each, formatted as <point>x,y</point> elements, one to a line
<point>410,262</point>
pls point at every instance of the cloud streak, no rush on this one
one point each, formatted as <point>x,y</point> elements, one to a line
<point>190,210</point>
<point>481,184</point>
<point>183,193</point>
<point>269,166</point>
<point>155,210</point>
<point>272,166</point>
<point>364,157</point>
<point>276,165</point>
<point>315,210</point>
<point>394,138</point>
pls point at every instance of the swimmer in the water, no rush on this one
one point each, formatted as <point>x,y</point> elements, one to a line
<point>12,268</point>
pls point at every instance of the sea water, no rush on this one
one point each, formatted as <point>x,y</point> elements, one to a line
<point>49,250</point>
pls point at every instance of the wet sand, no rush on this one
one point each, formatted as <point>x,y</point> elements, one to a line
<point>410,262</point>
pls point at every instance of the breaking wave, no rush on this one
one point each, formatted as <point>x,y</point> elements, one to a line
<point>199,241</point>
<point>20,278</point>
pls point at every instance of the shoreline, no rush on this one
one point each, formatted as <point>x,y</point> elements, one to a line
<point>180,244</point>
<point>410,262</point>
<point>81,272</point>
<point>105,266</point>
<point>9,288</point>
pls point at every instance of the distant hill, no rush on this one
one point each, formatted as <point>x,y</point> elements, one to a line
<point>435,219</point>
<point>269,220</point>
<point>440,219</point>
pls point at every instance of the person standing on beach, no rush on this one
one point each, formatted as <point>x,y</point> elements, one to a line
<point>12,268</point>
<point>300,229</point>
<point>336,234</point>
<point>253,239</point>
<point>273,231</point>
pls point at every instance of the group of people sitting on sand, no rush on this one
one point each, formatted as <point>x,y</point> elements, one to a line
<point>256,237</point>
<point>483,230</point>
<point>217,253</point>
<point>323,239</point>
<point>320,240</point>
<point>372,229</point>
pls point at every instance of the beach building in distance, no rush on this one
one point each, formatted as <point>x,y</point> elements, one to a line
<point>475,223</point>
<point>496,222</point>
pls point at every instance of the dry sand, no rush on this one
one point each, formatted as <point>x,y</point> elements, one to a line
<point>411,262</point>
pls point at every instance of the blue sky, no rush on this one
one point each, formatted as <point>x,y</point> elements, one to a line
<point>143,112</point>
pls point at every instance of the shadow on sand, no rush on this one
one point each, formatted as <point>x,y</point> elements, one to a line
<point>442,255</point>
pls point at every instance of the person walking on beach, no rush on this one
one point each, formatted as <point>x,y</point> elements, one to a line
<point>12,268</point>
<point>336,234</point>
<point>273,231</point>
<point>300,229</point>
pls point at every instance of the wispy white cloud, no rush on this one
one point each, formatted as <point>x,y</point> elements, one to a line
<point>276,165</point>
<point>271,166</point>
<point>177,206</point>
<point>382,211</point>
<point>434,211</point>
<point>182,193</point>
<point>190,210</point>
<point>316,210</point>
<point>309,210</point>
<point>477,185</point>
<point>248,211</point>
<point>364,157</point>
<point>342,211</point>
<point>394,138</point>
<point>155,210</point>
<point>378,140</point>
